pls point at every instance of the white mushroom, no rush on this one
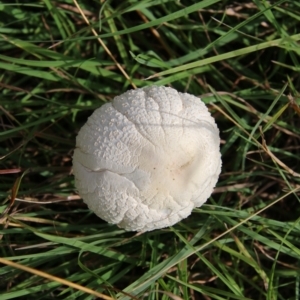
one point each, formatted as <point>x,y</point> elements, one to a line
<point>146,159</point>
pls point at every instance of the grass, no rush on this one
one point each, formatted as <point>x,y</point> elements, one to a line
<point>61,60</point>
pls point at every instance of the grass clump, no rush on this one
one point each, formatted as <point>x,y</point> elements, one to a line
<point>61,60</point>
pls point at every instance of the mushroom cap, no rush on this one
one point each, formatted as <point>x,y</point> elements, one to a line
<point>146,159</point>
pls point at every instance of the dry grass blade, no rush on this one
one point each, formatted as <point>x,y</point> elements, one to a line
<point>275,159</point>
<point>10,171</point>
<point>54,278</point>
<point>104,46</point>
<point>14,193</point>
<point>293,104</point>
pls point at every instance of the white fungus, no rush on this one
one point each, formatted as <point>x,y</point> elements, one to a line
<point>146,159</point>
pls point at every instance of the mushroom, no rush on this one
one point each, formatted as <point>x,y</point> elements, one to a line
<point>146,159</point>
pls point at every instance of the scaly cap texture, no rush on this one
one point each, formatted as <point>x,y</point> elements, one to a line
<point>146,159</point>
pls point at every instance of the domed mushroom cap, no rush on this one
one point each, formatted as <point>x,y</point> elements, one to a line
<point>146,159</point>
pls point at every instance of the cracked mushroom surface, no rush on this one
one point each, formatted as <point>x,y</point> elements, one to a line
<point>146,159</point>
